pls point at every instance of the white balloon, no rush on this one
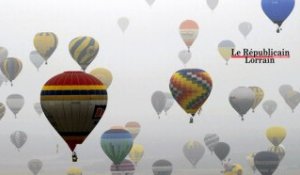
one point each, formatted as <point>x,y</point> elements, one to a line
<point>159,101</point>
<point>193,151</point>
<point>185,56</point>
<point>150,2</point>
<point>169,101</point>
<point>241,99</point>
<point>18,138</point>
<point>123,23</point>
<point>35,166</point>
<point>269,106</point>
<point>36,59</point>
<point>15,103</point>
<point>284,90</point>
<point>245,28</point>
<point>212,4</point>
<point>38,108</point>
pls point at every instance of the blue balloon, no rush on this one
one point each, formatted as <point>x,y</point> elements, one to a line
<point>278,10</point>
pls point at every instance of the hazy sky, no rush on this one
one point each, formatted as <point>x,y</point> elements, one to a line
<point>142,61</point>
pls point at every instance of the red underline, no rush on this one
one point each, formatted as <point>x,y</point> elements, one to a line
<point>260,57</point>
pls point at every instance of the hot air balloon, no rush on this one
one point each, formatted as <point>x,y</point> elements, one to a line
<point>136,153</point>
<point>279,150</point>
<point>3,54</point>
<point>269,106</point>
<point>193,151</point>
<point>35,166</point>
<point>18,138</point>
<point>150,2</point>
<point>245,28</point>
<point>84,50</point>
<point>133,128</point>
<point>276,135</point>
<point>184,56</point>
<point>212,4</point>
<point>169,102</point>
<point>221,150</point>
<point>11,67</point>
<point>2,110</point>
<point>266,162</point>
<point>74,103</point>
<point>45,44</point>
<point>102,74</point>
<point>190,88</point>
<point>158,101</point>
<point>234,169</point>
<point>210,141</point>
<point>125,168</point>
<point>225,48</point>
<point>123,23</point>
<point>241,99</point>
<point>116,144</point>
<point>250,159</point>
<point>278,10</point>
<point>284,90</point>
<point>293,99</point>
<point>259,95</point>
<point>15,103</point>
<point>36,59</point>
<point>188,30</point>
<point>74,171</point>
<point>38,108</point>
<point>162,167</point>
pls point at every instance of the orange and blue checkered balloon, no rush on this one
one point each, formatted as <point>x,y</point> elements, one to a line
<point>190,88</point>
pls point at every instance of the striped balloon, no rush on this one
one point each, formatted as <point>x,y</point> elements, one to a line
<point>279,150</point>
<point>2,110</point>
<point>18,138</point>
<point>116,143</point>
<point>211,140</point>
<point>45,44</point>
<point>84,49</point>
<point>73,102</point>
<point>162,167</point>
<point>11,67</point>
<point>125,168</point>
<point>266,162</point>
<point>190,88</point>
<point>134,128</point>
<point>15,103</point>
<point>188,30</point>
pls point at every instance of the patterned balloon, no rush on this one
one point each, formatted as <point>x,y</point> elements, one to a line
<point>133,128</point>
<point>190,88</point>
<point>188,30</point>
<point>125,168</point>
<point>11,67</point>
<point>84,49</point>
<point>211,140</point>
<point>116,143</point>
<point>45,44</point>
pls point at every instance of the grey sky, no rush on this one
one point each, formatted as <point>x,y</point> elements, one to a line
<point>142,61</point>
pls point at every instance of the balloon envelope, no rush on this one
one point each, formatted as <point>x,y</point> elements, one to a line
<point>158,101</point>
<point>250,159</point>
<point>212,4</point>
<point>102,74</point>
<point>125,168</point>
<point>36,59</point>
<point>136,153</point>
<point>11,68</point>
<point>116,144</point>
<point>269,106</point>
<point>193,151</point>
<point>259,95</point>
<point>35,166</point>
<point>38,108</point>
<point>15,103</point>
<point>74,171</point>
<point>190,88</point>
<point>221,150</point>
<point>169,102</point>
<point>245,28</point>
<point>276,135</point>
<point>162,167</point>
<point>133,128</point>
<point>211,140</point>
<point>279,150</point>
<point>123,23</point>
<point>266,162</point>
<point>241,99</point>
<point>185,56</point>
<point>18,138</point>
<point>188,30</point>
<point>45,44</point>
<point>74,103</point>
<point>225,48</point>
<point>84,50</point>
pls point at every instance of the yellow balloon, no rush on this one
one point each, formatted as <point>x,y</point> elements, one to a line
<point>225,49</point>
<point>102,74</point>
<point>45,44</point>
<point>74,171</point>
<point>136,153</point>
<point>259,95</point>
<point>237,170</point>
<point>276,135</point>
